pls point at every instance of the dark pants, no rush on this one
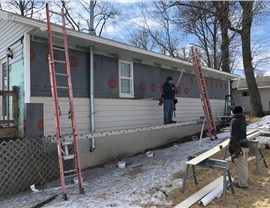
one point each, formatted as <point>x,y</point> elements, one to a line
<point>168,110</point>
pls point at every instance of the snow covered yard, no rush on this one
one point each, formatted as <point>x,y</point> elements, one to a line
<point>145,182</point>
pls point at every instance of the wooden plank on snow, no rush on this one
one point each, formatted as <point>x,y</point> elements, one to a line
<point>200,194</point>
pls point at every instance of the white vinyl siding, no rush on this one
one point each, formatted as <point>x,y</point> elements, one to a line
<point>116,114</point>
<point>126,87</point>
<point>11,37</point>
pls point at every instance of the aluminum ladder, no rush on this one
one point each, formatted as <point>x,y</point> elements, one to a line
<point>203,94</point>
<point>67,149</point>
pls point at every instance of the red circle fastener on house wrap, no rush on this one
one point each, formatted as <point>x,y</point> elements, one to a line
<point>142,86</point>
<point>112,83</point>
<point>153,87</point>
<point>74,61</point>
<point>177,90</point>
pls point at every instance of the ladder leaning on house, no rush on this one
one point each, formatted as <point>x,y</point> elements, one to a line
<point>57,76</point>
<point>203,94</point>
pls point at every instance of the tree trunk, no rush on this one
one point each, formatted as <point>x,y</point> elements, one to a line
<point>222,10</point>
<point>254,95</point>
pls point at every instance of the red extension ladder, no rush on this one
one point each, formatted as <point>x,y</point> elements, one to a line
<point>56,76</point>
<point>203,94</point>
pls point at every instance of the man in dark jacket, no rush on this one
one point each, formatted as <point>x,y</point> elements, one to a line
<point>168,97</point>
<point>238,146</point>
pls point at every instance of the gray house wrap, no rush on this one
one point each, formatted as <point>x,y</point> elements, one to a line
<point>148,80</point>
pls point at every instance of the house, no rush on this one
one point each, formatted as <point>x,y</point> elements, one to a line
<point>116,90</point>
<point>241,95</point>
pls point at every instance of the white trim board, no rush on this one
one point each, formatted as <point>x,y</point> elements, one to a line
<point>200,194</point>
<point>208,153</point>
<point>214,193</point>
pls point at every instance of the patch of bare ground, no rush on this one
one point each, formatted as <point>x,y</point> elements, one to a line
<point>256,196</point>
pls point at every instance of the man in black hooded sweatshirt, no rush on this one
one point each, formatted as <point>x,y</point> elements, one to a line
<point>238,146</point>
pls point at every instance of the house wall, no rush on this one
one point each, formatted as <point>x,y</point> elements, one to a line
<point>116,114</point>
<point>239,99</point>
<point>12,36</point>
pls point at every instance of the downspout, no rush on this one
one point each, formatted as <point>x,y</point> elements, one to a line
<point>92,107</point>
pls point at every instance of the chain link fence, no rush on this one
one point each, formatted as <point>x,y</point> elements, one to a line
<point>27,161</point>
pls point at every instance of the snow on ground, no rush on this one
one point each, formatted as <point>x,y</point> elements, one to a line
<point>144,180</point>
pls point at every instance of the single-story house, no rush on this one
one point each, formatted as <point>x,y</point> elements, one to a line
<point>123,105</point>
<point>241,95</point>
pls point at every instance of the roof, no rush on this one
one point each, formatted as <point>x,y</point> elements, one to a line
<point>122,50</point>
<point>262,82</point>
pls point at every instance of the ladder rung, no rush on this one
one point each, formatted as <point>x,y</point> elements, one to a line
<point>65,114</point>
<point>59,61</point>
<point>70,171</point>
<point>69,176</point>
<point>55,12</point>
<point>59,49</point>
<point>67,128</point>
<point>69,157</point>
<point>62,87</point>
<point>61,74</point>
<point>64,143</point>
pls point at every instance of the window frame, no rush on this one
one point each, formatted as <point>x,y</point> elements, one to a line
<point>3,68</point>
<point>131,78</point>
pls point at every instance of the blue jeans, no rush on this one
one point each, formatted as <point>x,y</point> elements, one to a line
<point>168,110</point>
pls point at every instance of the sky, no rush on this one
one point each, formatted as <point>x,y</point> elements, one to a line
<point>119,32</point>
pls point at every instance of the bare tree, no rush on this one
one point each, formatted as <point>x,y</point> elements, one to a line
<point>155,24</point>
<point>142,39</point>
<point>25,8</point>
<point>245,33</point>
<point>104,12</point>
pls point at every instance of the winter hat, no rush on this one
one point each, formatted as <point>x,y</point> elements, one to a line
<point>237,109</point>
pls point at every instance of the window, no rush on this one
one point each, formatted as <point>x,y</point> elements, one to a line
<point>3,75</point>
<point>126,88</point>
<point>245,94</point>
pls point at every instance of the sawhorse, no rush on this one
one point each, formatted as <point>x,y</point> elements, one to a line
<point>254,144</point>
<point>213,164</point>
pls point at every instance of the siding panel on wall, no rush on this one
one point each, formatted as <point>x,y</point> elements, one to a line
<point>11,33</point>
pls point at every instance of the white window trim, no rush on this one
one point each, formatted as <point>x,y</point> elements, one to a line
<point>2,61</point>
<point>131,94</point>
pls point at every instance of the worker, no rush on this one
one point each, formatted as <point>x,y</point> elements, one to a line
<point>238,146</point>
<point>168,99</point>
